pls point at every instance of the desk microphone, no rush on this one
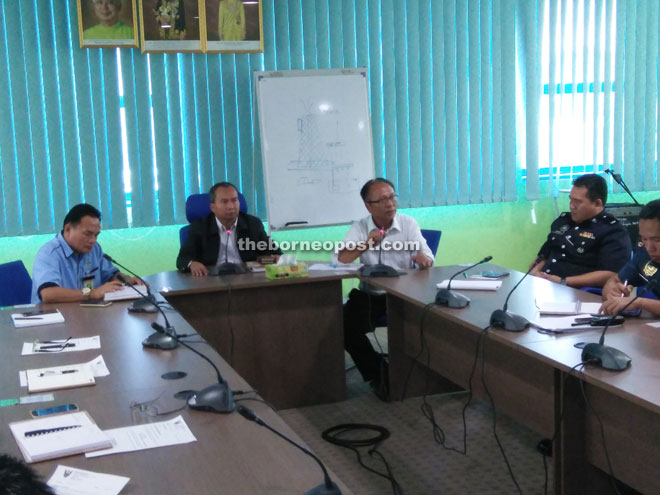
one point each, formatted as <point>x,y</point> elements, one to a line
<point>328,487</point>
<point>512,322</point>
<point>162,341</point>
<point>227,268</point>
<point>453,299</point>
<point>215,398</point>
<point>607,357</point>
<point>379,270</point>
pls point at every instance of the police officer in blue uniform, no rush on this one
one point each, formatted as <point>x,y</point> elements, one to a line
<point>644,267</point>
<point>586,246</point>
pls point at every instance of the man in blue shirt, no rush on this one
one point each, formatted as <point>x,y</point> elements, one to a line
<point>71,267</point>
<point>644,267</point>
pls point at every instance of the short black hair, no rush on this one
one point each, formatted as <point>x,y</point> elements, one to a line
<point>17,478</point>
<point>77,213</point>
<point>364,192</point>
<point>216,186</point>
<point>595,184</point>
<point>650,211</point>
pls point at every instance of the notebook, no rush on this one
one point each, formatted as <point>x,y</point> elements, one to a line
<point>58,436</point>
<point>471,284</point>
<point>126,292</point>
<point>38,317</point>
<point>568,308</point>
<point>58,377</point>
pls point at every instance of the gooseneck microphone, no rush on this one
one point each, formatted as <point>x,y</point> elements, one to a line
<point>227,268</point>
<point>162,341</point>
<point>505,320</point>
<point>379,270</point>
<point>328,487</point>
<point>607,357</point>
<point>215,398</point>
<point>453,299</point>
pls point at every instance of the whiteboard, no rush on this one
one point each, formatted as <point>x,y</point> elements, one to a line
<point>316,145</point>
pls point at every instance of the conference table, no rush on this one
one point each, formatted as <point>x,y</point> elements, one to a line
<point>231,454</point>
<point>283,336</point>
<point>432,347</point>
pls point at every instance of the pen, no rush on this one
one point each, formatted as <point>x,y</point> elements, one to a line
<point>625,284</point>
<point>65,372</point>
<point>29,318</point>
<point>56,346</point>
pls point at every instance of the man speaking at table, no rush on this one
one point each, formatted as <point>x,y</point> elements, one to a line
<point>365,306</point>
<point>71,267</point>
<point>224,235</point>
<point>586,246</point>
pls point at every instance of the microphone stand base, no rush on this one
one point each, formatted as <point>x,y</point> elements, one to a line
<point>378,270</point>
<point>606,357</point>
<point>322,489</point>
<point>228,269</point>
<point>508,321</point>
<point>215,398</point>
<point>143,305</point>
<point>160,341</point>
<point>452,299</point>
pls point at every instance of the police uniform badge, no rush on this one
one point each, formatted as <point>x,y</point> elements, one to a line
<point>649,270</point>
<point>563,229</point>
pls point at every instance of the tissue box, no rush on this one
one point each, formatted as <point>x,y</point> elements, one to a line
<point>286,271</point>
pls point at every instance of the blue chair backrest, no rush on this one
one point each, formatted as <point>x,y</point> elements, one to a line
<point>432,239</point>
<point>198,206</point>
<point>15,284</point>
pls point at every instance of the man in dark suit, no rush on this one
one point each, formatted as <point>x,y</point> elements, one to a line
<point>225,234</point>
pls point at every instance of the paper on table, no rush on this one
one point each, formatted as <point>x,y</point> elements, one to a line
<point>98,366</point>
<point>335,267</point>
<point>471,284</point>
<point>147,436</point>
<point>81,344</point>
<point>21,321</point>
<point>73,481</point>
<point>126,293</point>
<point>59,377</point>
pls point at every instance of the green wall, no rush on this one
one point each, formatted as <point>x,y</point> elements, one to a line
<point>506,231</point>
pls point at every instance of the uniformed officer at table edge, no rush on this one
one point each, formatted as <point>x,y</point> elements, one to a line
<point>71,266</point>
<point>586,246</point>
<point>642,268</point>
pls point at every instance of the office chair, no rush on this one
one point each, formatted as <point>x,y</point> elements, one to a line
<point>432,238</point>
<point>15,284</point>
<point>197,206</point>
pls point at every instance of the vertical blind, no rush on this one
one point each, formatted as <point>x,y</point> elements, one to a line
<point>463,100</point>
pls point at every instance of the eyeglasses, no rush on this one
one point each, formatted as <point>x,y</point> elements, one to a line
<point>393,198</point>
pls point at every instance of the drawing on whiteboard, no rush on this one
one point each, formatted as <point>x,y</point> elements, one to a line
<point>321,156</point>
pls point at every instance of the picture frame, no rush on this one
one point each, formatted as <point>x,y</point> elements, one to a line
<point>239,20</point>
<point>171,26</point>
<point>107,23</point>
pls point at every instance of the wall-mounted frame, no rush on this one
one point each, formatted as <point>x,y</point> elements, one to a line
<point>233,26</point>
<point>107,23</point>
<point>170,26</point>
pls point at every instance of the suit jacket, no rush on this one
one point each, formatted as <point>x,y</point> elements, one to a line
<point>204,241</point>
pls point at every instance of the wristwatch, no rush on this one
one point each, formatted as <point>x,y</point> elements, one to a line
<point>563,281</point>
<point>86,291</point>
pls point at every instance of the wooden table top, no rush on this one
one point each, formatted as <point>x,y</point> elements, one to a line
<point>231,455</point>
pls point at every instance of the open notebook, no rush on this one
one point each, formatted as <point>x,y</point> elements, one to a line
<point>567,308</point>
<point>58,436</point>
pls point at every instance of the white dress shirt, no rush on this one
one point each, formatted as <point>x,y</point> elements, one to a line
<point>228,248</point>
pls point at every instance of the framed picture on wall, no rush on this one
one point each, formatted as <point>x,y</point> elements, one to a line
<point>170,26</point>
<point>107,23</point>
<point>233,26</point>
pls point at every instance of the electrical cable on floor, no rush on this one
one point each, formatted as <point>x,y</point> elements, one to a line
<point>334,436</point>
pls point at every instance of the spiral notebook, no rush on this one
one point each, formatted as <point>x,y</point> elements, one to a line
<point>58,436</point>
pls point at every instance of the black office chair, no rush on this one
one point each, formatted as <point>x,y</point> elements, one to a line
<point>197,206</point>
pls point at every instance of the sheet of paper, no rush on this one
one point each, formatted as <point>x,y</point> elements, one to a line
<point>73,481</point>
<point>148,436</point>
<point>655,324</point>
<point>335,267</point>
<point>98,367</point>
<point>50,346</point>
<point>22,320</point>
<point>22,378</point>
<point>126,292</point>
<point>562,324</point>
<point>471,284</point>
